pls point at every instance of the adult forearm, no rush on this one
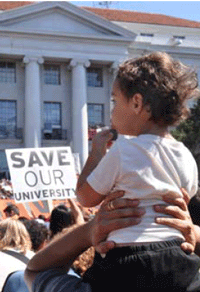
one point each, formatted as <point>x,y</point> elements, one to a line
<point>61,252</point>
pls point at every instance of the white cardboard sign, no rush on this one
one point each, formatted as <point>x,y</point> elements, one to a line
<point>42,173</point>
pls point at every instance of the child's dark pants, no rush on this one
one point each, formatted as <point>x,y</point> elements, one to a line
<point>160,266</point>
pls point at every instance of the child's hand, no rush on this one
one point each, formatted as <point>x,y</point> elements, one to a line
<point>100,142</point>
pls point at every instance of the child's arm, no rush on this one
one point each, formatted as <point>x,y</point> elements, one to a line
<point>86,195</point>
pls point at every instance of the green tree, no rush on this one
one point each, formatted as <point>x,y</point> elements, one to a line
<point>188,132</point>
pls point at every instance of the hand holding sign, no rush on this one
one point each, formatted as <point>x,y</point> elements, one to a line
<point>42,173</point>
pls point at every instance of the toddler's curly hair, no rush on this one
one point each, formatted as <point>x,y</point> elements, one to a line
<point>165,84</point>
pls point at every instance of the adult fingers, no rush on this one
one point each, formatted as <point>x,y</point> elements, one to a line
<point>113,196</point>
<point>104,225</point>
<point>187,247</point>
<point>118,202</point>
<point>104,247</point>
<point>119,223</point>
<point>186,196</point>
<point>126,212</point>
<point>121,203</point>
<point>173,222</point>
<point>180,202</point>
<point>174,198</point>
<point>171,210</point>
<point>185,228</point>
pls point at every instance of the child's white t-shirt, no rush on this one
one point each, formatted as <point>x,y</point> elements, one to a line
<point>145,167</point>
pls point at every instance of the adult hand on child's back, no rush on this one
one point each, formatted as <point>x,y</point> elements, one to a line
<point>114,213</point>
<point>177,208</point>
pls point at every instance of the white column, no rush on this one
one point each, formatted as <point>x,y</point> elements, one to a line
<point>112,70</point>
<point>32,133</point>
<point>79,108</point>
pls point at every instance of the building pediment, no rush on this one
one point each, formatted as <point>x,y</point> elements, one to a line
<point>60,18</point>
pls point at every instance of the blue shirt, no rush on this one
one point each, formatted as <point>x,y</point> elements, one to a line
<point>58,281</point>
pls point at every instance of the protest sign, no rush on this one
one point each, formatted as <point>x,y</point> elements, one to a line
<point>42,173</point>
<point>77,163</point>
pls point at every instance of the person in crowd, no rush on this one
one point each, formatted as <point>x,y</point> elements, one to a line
<point>46,271</point>
<point>149,95</point>
<point>23,219</point>
<point>62,220</point>
<point>6,191</point>
<point>12,211</point>
<point>63,217</point>
<point>41,219</point>
<point>15,247</point>
<point>15,283</point>
<point>194,208</point>
<point>39,237</point>
<point>39,234</point>
<point>83,262</point>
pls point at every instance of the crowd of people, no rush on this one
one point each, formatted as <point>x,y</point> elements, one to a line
<point>6,190</point>
<point>21,238</point>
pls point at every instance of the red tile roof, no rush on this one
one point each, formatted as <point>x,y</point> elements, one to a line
<point>120,15</point>
<point>7,5</point>
<point>141,17</point>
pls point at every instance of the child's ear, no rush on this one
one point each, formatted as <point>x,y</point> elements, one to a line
<point>137,103</point>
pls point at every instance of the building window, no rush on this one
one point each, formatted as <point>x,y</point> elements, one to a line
<point>52,74</point>
<point>95,77</point>
<point>95,114</point>
<point>52,121</point>
<point>7,72</point>
<point>8,119</point>
<point>179,37</point>
<point>150,35</point>
<point>4,170</point>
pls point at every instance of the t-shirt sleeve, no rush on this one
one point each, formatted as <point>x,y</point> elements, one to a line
<point>57,281</point>
<point>105,175</point>
<point>194,183</point>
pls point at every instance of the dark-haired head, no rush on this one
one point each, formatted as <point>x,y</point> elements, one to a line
<point>11,210</point>
<point>61,217</point>
<point>164,83</point>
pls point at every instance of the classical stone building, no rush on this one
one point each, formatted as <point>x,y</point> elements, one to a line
<point>57,63</point>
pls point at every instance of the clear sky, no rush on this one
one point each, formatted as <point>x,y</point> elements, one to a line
<point>182,9</point>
